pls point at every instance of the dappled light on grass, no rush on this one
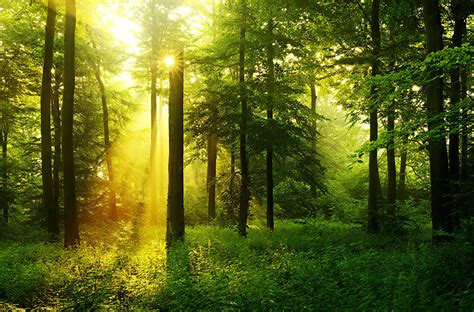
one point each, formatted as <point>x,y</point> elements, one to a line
<point>131,163</point>
<point>306,265</point>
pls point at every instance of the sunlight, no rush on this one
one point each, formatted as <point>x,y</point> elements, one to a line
<point>169,61</point>
<point>122,28</point>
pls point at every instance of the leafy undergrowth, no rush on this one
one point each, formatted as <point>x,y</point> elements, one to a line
<point>300,266</point>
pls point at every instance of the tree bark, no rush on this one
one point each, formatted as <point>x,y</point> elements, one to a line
<point>455,97</point>
<point>5,204</point>
<point>107,145</point>
<point>455,92</point>
<point>314,99</point>
<point>244,192</point>
<point>464,128</point>
<point>391,164</point>
<point>154,125</point>
<point>402,176</point>
<point>48,210</point>
<point>271,83</point>
<point>57,143</point>
<point>374,178</point>
<point>440,208</point>
<point>71,224</point>
<point>211,175</point>
<point>175,224</point>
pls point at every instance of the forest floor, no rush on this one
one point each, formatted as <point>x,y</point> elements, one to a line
<point>300,266</point>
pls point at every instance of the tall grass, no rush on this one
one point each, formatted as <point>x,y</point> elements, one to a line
<point>300,266</point>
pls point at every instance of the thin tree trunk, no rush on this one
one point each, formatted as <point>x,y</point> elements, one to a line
<point>57,144</point>
<point>71,224</point>
<point>211,175</point>
<point>5,204</point>
<point>232,163</point>
<point>464,128</point>
<point>154,130</point>
<point>49,210</point>
<point>391,165</point>
<point>374,178</point>
<point>440,208</point>
<point>455,97</point>
<point>402,175</point>
<point>244,192</point>
<point>314,99</point>
<point>175,226</point>
<point>271,82</point>
<point>108,154</point>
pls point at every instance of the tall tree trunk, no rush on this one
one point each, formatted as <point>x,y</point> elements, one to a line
<point>374,178</point>
<point>5,203</point>
<point>71,224</point>
<point>402,175</point>
<point>455,91</point>
<point>455,97</point>
<point>154,127</point>
<point>108,154</point>
<point>244,170</point>
<point>440,208</point>
<point>57,143</point>
<point>391,164</point>
<point>49,210</point>
<point>314,98</point>
<point>271,87</point>
<point>211,175</point>
<point>464,128</point>
<point>175,226</point>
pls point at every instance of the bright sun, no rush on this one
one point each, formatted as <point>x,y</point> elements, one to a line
<point>169,61</point>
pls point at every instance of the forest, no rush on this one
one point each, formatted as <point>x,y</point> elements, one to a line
<point>247,155</point>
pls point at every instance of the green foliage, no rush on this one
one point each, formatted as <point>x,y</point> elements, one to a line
<point>301,265</point>
<point>294,198</point>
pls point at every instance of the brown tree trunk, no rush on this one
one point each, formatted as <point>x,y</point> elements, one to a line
<point>244,191</point>
<point>455,97</point>
<point>108,154</point>
<point>271,82</point>
<point>374,178</point>
<point>314,98</point>
<point>57,143</point>
<point>175,224</point>
<point>464,128</point>
<point>211,175</point>
<point>5,203</point>
<point>71,224</point>
<point>154,126</point>
<point>402,175</point>
<point>49,210</point>
<point>440,208</point>
<point>391,165</point>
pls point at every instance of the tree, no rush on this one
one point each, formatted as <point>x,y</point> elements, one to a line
<point>269,160</point>
<point>211,175</point>
<point>108,154</point>
<point>244,170</point>
<point>374,178</point>
<point>71,223</point>
<point>440,209</point>
<point>175,224</point>
<point>49,209</point>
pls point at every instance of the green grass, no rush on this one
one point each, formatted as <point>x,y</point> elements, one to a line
<point>300,266</point>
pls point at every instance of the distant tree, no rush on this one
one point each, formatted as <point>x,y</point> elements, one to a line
<point>71,223</point>
<point>244,169</point>
<point>49,209</point>
<point>269,160</point>
<point>107,144</point>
